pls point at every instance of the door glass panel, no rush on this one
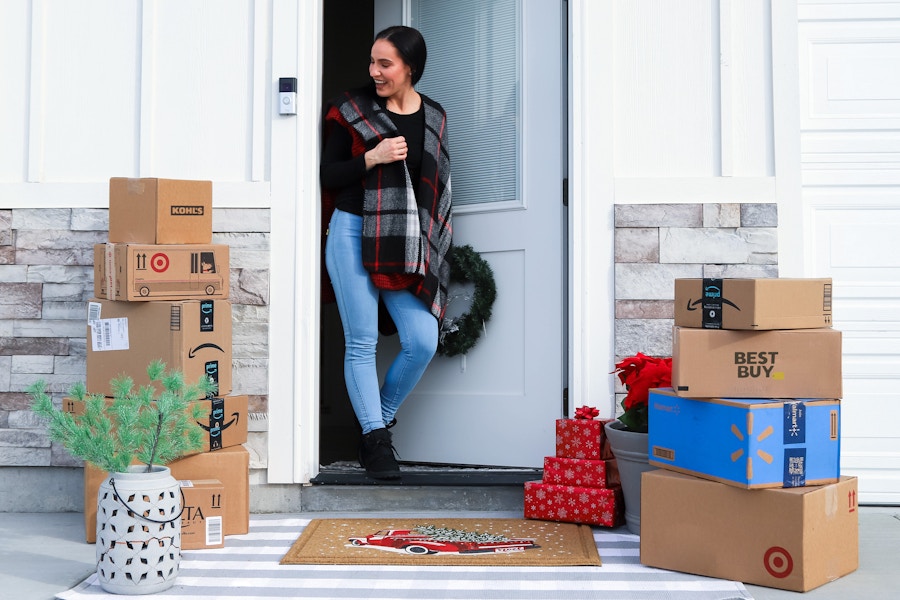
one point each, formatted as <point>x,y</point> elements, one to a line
<point>472,70</point>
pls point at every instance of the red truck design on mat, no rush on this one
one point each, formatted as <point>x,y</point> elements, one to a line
<point>428,539</point>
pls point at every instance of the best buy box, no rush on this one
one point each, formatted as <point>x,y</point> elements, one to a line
<point>789,538</point>
<point>203,514</point>
<point>753,303</point>
<point>224,425</point>
<point>193,336</point>
<point>781,363</point>
<point>231,466</point>
<point>171,272</point>
<point>747,443</point>
<point>160,211</point>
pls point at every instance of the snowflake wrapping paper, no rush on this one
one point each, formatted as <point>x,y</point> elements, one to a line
<point>571,504</point>
<point>581,472</point>
<point>582,438</point>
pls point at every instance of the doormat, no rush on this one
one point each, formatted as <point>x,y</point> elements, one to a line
<point>444,542</point>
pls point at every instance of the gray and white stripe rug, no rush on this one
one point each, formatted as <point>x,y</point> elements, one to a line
<point>247,568</point>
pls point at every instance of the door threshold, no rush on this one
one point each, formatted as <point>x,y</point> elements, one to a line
<point>428,475</point>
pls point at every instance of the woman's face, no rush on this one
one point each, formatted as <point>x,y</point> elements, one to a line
<point>390,74</point>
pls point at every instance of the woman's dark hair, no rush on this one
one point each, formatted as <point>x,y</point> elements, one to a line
<point>410,46</point>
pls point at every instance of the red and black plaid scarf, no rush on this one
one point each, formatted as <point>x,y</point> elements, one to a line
<point>406,236</point>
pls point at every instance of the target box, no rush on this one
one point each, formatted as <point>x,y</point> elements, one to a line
<point>788,538</point>
<point>193,336</point>
<point>136,272</point>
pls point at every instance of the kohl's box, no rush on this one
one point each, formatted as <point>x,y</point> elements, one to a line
<point>788,538</point>
<point>744,442</point>
<point>193,336</point>
<point>772,303</point>
<point>202,520</point>
<point>149,210</point>
<point>782,363</point>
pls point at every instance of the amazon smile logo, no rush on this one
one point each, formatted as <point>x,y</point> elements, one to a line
<point>192,353</point>
<point>216,430</point>
<point>693,304</point>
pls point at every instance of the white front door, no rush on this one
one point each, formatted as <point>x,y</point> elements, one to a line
<point>850,113</point>
<point>497,405</point>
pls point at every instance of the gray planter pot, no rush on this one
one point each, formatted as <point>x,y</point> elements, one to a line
<point>138,531</point>
<point>631,450</point>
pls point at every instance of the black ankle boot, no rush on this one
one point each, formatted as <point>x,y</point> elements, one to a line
<point>376,455</point>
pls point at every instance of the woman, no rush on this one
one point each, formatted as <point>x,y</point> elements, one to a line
<point>386,176</point>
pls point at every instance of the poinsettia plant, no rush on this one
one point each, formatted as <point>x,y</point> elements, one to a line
<point>639,374</point>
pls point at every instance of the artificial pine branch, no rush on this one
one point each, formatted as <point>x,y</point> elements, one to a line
<point>153,428</point>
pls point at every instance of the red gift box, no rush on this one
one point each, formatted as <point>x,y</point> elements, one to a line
<point>571,504</point>
<point>581,472</point>
<point>582,438</point>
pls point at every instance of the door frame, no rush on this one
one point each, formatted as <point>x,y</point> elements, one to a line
<point>293,442</point>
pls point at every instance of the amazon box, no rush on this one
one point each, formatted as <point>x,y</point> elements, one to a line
<point>231,466</point>
<point>744,442</point>
<point>160,211</point>
<point>224,426</point>
<point>789,538</point>
<point>781,363</point>
<point>136,272</point>
<point>203,514</point>
<point>193,336</point>
<point>753,303</point>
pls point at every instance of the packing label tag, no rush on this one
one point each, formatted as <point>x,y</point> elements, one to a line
<point>712,304</point>
<point>207,315</point>
<point>794,467</point>
<point>109,334</point>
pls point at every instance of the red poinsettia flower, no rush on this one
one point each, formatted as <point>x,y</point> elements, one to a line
<point>639,374</point>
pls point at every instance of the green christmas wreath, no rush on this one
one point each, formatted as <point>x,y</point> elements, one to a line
<point>458,335</point>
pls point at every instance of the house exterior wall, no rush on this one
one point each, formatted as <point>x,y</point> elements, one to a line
<point>46,279</point>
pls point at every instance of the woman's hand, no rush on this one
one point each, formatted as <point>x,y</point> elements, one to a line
<point>388,150</point>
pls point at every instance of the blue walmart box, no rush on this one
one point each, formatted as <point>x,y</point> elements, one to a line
<point>745,442</point>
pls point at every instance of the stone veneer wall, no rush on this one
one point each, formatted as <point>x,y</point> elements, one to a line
<point>46,279</point>
<point>658,243</point>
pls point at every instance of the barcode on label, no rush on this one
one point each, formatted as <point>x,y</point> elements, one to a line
<point>213,531</point>
<point>93,312</point>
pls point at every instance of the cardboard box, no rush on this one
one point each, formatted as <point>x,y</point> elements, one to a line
<point>753,303</point>
<point>788,538</point>
<point>582,438</point>
<point>137,272</point>
<point>746,442</point>
<point>231,466</point>
<point>225,425</point>
<point>571,504</point>
<point>783,363</point>
<point>193,336</point>
<point>203,516</point>
<point>160,211</point>
<point>581,472</point>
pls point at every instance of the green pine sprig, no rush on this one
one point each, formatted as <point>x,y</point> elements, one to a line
<point>154,428</point>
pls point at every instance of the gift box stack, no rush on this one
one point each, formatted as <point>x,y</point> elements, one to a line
<point>161,292</point>
<point>748,439</point>
<point>580,483</point>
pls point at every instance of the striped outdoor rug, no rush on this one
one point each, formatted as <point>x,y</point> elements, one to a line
<point>248,568</point>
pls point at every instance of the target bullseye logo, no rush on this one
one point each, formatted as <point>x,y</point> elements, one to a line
<point>159,262</point>
<point>778,562</point>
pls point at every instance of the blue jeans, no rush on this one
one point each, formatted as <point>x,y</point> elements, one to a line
<point>357,300</point>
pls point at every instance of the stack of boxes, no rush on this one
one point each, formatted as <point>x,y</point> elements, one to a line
<point>748,439</point>
<point>581,482</point>
<point>161,292</point>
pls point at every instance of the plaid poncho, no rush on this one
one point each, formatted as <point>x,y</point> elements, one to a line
<point>406,236</point>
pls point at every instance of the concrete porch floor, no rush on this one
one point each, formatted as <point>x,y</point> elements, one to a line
<point>43,554</point>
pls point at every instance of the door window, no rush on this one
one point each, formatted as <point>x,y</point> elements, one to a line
<point>472,70</point>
